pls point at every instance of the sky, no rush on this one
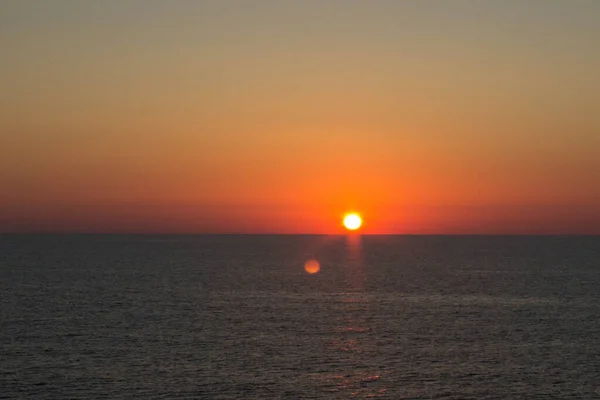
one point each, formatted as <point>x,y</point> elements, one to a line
<point>264,116</point>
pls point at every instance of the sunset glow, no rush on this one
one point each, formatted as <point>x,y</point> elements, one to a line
<point>205,117</point>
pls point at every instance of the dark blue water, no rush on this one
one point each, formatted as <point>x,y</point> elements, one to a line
<point>232,317</point>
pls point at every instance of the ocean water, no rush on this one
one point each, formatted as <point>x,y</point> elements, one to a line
<point>239,317</point>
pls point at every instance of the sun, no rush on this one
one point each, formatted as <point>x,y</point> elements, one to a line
<point>352,221</point>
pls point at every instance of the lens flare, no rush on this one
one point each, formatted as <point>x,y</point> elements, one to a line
<point>352,221</point>
<point>312,266</point>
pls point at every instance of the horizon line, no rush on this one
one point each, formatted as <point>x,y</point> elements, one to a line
<point>283,234</point>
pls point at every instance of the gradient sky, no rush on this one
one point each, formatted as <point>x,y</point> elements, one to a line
<point>278,116</point>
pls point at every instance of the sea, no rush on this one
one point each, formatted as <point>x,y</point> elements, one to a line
<point>299,317</point>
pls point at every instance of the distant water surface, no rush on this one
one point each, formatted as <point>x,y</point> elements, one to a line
<point>234,317</point>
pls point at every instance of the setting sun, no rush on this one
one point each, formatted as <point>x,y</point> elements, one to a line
<point>352,221</point>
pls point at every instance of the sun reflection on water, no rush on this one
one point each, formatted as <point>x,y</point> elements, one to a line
<point>350,341</point>
<point>348,362</point>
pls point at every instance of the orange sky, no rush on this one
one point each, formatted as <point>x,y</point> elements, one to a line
<point>255,117</point>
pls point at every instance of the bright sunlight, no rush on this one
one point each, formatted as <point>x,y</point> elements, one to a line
<point>352,221</point>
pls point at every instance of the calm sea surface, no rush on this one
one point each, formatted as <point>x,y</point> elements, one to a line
<point>238,317</point>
